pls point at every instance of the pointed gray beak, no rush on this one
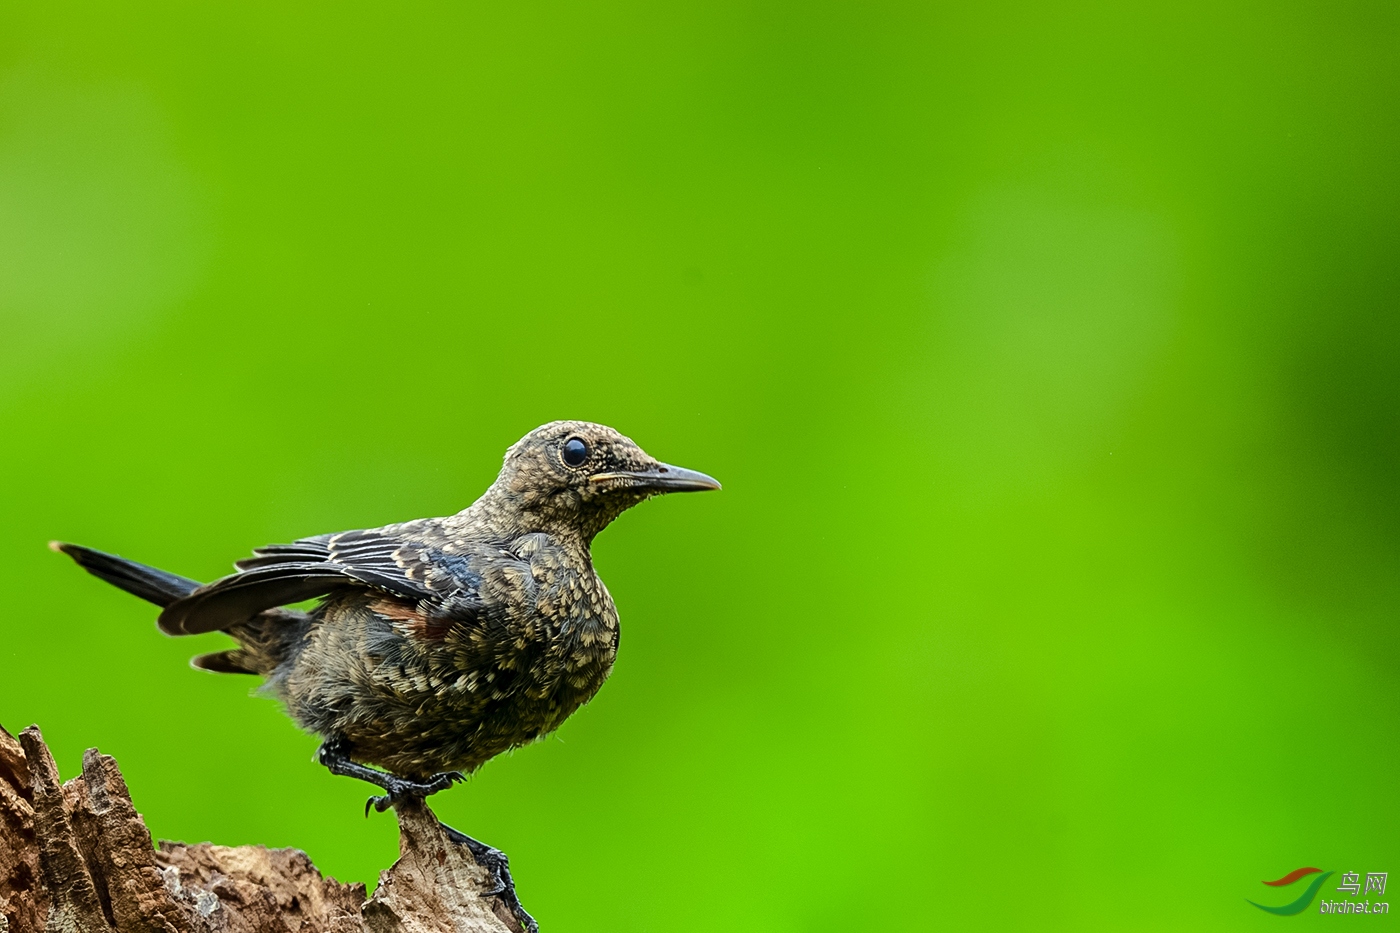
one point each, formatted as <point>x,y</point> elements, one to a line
<point>664,478</point>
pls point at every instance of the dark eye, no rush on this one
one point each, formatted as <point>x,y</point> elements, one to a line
<point>575,452</point>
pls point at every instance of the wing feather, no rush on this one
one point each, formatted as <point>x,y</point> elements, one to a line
<point>381,559</point>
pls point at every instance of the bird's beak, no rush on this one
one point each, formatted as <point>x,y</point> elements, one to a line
<point>662,478</point>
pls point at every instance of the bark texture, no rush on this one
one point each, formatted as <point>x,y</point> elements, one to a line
<point>77,858</point>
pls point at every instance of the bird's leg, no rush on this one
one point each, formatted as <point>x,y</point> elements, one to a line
<point>498,865</point>
<point>333,754</point>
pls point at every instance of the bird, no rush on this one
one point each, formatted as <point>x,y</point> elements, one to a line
<point>437,643</point>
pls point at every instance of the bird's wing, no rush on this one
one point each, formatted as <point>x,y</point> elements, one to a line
<point>385,559</point>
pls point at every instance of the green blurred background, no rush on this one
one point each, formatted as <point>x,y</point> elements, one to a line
<point>1048,355</point>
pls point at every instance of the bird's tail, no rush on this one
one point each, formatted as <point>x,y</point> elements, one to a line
<point>152,585</point>
<point>262,640</point>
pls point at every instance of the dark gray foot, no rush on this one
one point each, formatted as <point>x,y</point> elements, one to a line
<point>498,865</point>
<point>335,755</point>
<point>397,789</point>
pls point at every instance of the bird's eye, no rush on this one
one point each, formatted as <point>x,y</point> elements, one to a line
<point>575,452</point>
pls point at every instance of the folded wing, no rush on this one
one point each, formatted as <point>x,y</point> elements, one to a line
<point>380,559</point>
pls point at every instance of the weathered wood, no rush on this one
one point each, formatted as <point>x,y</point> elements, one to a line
<point>73,903</point>
<point>432,878</point>
<point>23,902</point>
<point>77,858</point>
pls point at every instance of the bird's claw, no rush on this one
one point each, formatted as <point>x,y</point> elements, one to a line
<point>399,789</point>
<point>447,779</point>
<point>497,865</point>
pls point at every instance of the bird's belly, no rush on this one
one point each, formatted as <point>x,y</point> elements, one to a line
<point>447,736</point>
<point>433,723</point>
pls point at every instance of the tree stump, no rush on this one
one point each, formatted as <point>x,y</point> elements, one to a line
<point>77,858</point>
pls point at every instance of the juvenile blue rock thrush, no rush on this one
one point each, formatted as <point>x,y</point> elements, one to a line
<point>438,643</point>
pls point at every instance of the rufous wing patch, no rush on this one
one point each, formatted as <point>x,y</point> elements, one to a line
<point>409,620</point>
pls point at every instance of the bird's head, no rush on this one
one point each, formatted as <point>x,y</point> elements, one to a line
<point>579,476</point>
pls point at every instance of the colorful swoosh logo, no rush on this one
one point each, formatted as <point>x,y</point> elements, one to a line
<point>1292,876</point>
<point>1301,904</point>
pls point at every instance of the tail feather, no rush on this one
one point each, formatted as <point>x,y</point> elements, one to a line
<point>152,585</point>
<point>232,661</point>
